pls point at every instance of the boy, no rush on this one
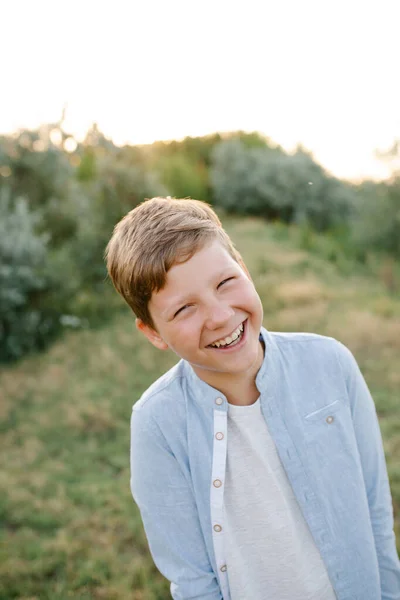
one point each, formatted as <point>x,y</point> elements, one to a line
<point>257,461</point>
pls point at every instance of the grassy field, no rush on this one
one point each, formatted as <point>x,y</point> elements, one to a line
<point>70,528</point>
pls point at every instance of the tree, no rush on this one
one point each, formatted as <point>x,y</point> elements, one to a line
<point>267,182</point>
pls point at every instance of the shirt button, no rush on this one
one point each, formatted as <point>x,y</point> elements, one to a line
<point>219,435</point>
<point>217,483</point>
<point>223,568</point>
<point>329,419</point>
<point>219,401</point>
<point>217,528</point>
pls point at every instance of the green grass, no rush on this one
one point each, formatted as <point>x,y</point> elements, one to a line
<point>70,528</point>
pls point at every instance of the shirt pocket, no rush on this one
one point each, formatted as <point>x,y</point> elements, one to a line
<point>329,435</point>
<point>323,414</point>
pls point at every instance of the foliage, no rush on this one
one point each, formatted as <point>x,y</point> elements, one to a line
<point>376,226</point>
<point>117,189</point>
<point>61,200</point>
<point>184,165</point>
<point>39,169</point>
<point>24,323</point>
<point>200,149</point>
<point>266,182</point>
<point>183,177</point>
<point>57,216</point>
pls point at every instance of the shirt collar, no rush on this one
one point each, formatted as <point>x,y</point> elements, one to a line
<point>210,397</point>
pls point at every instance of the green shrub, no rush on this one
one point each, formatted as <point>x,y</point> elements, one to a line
<point>266,182</point>
<point>41,171</point>
<point>117,189</point>
<point>24,323</point>
<point>183,177</point>
<point>376,225</point>
<point>58,210</point>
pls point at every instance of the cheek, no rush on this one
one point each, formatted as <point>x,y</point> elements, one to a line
<point>186,335</point>
<point>251,302</point>
<point>248,296</point>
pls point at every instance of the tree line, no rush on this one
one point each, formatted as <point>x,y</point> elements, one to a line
<point>60,199</point>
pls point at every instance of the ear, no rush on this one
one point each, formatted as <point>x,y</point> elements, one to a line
<point>152,335</point>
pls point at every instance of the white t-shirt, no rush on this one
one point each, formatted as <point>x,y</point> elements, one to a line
<point>270,552</point>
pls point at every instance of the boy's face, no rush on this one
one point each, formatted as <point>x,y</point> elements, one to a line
<point>206,300</point>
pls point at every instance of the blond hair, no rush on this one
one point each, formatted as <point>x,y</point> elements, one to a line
<point>151,238</point>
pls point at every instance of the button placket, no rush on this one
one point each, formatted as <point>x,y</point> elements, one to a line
<point>217,487</point>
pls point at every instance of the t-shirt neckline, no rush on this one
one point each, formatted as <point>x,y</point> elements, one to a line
<point>235,410</point>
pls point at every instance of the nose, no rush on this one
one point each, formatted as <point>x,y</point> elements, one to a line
<point>218,315</point>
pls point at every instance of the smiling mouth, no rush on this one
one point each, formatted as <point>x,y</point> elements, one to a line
<point>232,340</point>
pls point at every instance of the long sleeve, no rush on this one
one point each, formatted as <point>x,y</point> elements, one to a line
<point>168,510</point>
<point>376,480</point>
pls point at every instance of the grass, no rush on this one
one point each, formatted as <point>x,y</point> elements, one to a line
<point>70,528</point>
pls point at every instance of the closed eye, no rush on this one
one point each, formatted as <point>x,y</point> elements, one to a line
<point>181,309</point>
<point>188,305</point>
<point>224,281</point>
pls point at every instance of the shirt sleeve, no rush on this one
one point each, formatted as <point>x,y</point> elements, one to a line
<point>169,513</point>
<point>370,446</point>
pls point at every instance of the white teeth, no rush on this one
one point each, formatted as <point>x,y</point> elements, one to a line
<point>228,340</point>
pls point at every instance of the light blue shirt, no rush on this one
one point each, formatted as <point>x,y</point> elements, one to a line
<point>322,419</point>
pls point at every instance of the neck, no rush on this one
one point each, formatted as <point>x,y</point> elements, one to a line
<point>241,393</point>
<point>239,389</point>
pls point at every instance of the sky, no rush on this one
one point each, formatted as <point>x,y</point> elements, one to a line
<point>320,73</point>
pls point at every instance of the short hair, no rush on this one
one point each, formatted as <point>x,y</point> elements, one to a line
<point>154,236</point>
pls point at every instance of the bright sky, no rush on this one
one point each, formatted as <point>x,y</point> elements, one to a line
<point>321,72</point>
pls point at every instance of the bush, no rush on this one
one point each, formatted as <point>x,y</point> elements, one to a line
<point>24,323</point>
<point>117,189</point>
<point>183,177</point>
<point>41,171</point>
<point>58,208</point>
<point>266,182</point>
<point>376,225</point>
<point>57,214</point>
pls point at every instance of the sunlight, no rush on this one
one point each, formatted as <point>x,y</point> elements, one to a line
<point>298,80</point>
